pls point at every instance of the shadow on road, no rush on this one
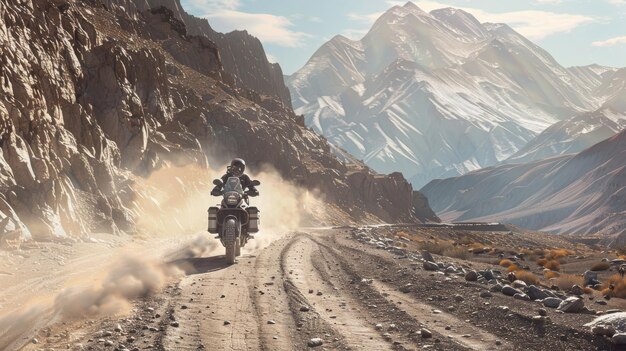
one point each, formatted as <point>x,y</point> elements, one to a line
<point>199,265</point>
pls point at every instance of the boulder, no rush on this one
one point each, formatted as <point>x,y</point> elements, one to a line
<point>510,291</point>
<point>536,293</point>
<point>496,288</point>
<point>427,256</point>
<point>430,266</point>
<point>615,322</point>
<point>521,296</point>
<point>589,278</point>
<point>519,284</point>
<point>576,290</point>
<point>488,275</point>
<point>619,339</point>
<point>471,276</point>
<point>552,302</point>
<point>571,305</point>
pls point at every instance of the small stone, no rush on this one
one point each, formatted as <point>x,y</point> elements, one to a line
<point>315,342</point>
<point>304,309</point>
<point>486,294</point>
<point>271,322</point>
<point>543,312</point>
<point>425,333</point>
<point>175,324</point>
<point>226,322</point>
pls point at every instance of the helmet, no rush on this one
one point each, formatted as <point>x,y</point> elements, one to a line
<point>237,167</point>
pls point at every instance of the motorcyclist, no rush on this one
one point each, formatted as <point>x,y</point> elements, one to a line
<point>236,169</point>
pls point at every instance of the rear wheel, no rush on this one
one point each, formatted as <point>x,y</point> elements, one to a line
<point>230,240</point>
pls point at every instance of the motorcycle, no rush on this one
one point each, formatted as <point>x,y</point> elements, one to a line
<point>234,220</point>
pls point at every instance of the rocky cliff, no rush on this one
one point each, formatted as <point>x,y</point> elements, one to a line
<point>243,55</point>
<point>97,93</point>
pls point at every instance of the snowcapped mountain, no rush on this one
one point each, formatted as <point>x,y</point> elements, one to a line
<point>583,130</point>
<point>572,135</point>
<point>437,94</point>
<point>583,193</point>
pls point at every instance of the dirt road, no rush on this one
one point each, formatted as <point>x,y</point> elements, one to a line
<point>308,287</point>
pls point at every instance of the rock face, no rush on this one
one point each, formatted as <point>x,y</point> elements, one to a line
<point>242,54</point>
<point>97,93</point>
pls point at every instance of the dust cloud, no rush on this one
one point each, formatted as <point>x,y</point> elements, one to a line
<point>170,204</point>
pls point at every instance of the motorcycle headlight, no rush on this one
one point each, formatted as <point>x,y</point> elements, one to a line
<point>232,199</point>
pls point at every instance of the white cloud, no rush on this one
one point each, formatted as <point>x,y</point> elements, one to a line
<point>269,28</point>
<point>367,18</point>
<point>224,16</point>
<point>549,2</point>
<point>534,25</point>
<point>617,2</point>
<point>213,5</point>
<point>610,42</point>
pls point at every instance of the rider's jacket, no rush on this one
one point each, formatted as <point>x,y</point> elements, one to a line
<point>246,182</point>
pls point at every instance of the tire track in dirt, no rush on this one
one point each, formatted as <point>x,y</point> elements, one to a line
<point>461,332</point>
<point>276,321</point>
<point>329,302</point>
<point>214,309</point>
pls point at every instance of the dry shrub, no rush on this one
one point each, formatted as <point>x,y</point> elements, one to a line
<point>532,254</point>
<point>403,234</point>
<point>566,281</point>
<point>513,268</point>
<point>587,290</point>
<point>551,274</point>
<point>619,286</point>
<point>527,277</point>
<point>552,265</point>
<point>505,263</point>
<point>555,254</point>
<point>600,266</point>
<point>435,247</point>
<point>456,252</point>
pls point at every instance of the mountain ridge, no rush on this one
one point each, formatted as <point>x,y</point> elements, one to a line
<point>495,83</point>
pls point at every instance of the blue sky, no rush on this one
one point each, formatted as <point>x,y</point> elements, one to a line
<point>575,32</point>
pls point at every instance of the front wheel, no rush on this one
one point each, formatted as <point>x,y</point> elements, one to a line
<point>230,240</point>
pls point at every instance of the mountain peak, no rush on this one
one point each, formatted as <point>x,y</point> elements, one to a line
<point>411,5</point>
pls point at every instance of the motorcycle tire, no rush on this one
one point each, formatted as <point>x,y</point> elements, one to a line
<point>230,240</point>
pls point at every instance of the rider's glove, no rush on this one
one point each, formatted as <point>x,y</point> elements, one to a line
<point>216,192</point>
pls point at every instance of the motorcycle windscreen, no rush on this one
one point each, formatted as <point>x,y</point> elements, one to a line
<point>233,184</point>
